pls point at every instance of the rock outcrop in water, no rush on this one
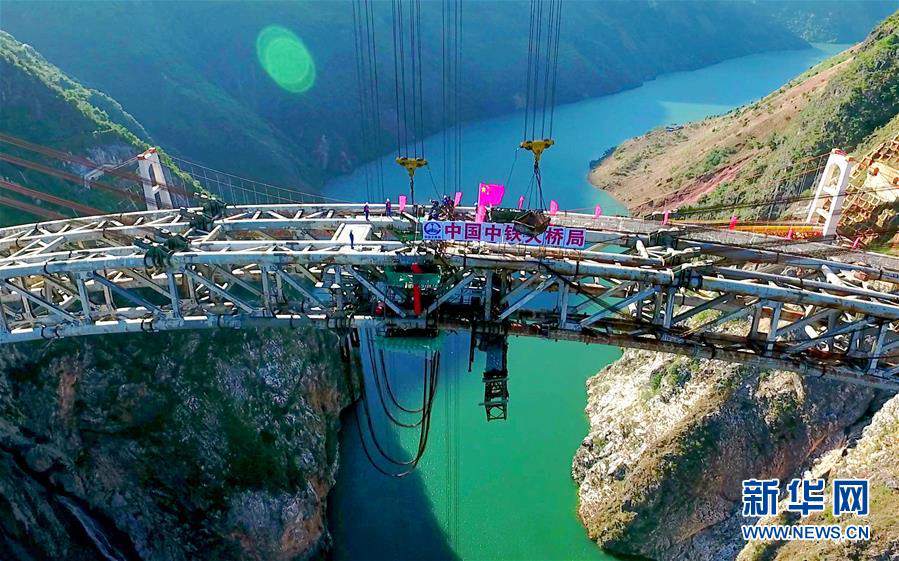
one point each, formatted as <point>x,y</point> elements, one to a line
<point>214,445</point>
<point>671,440</point>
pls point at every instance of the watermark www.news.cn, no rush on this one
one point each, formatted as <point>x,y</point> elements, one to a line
<point>806,497</point>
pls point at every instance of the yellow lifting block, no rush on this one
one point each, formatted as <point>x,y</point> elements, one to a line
<point>412,164</point>
<point>537,147</point>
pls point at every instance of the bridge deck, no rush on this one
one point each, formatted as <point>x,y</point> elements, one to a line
<point>737,296</point>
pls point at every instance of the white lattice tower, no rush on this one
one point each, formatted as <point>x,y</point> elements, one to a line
<point>156,190</point>
<point>831,192</point>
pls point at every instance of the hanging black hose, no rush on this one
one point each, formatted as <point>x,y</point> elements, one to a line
<point>422,442</point>
<point>390,391</point>
<point>377,377</point>
<point>429,388</point>
<point>427,395</point>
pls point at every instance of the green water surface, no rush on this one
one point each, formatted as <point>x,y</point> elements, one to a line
<point>503,490</point>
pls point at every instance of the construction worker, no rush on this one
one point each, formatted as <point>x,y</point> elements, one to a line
<point>448,206</point>
<point>365,210</point>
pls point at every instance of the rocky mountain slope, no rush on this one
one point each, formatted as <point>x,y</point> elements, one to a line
<point>168,447</point>
<point>163,447</point>
<point>43,105</point>
<point>874,457</point>
<point>830,22</point>
<point>747,155</point>
<point>189,71</point>
<point>671,440</point>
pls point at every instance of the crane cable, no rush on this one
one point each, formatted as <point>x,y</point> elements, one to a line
<point>452,153</point>
<point>543,53</point>
<point>368,81</point>
<point>410,127</point>
<point>362,86</point>
<point>376,85</point>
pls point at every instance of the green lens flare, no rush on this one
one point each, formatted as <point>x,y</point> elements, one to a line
<point>285,58</point>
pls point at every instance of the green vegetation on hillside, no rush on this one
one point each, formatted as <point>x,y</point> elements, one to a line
<point>43,105</point>
<point>189,70</point>
<point>770,150</point>
<point>860,101</point>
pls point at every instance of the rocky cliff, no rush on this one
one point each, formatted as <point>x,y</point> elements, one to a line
<point>671,440</point>
<point>169,447</point>
<point>875,456</point>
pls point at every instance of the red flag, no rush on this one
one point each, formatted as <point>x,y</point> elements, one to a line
<point>733,222</point>
<point>597,212</point>
<point>402,203</point>
<point>482,212</point>
<point>490,194</point>
<point>520,202</point>
<point>553,208</point>
<point>458,198</point>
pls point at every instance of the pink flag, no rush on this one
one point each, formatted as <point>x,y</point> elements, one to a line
<point>553,208</point>
<point>458,198</point>
<point>490,194</point>
<point>790,233</point>
<point>482,212</point>
<point>665,218</point>
<point>597,212</point>
<point>733,222</point>
<point>520,202</point>
<point>402,203</point>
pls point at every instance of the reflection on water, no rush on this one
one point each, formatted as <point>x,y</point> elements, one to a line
<point>503,490</point>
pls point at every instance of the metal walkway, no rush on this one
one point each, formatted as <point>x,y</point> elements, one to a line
<point>807,307</point>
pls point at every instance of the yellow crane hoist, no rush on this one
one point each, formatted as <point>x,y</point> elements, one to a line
<point>537,147</point>
<point>411,164</point>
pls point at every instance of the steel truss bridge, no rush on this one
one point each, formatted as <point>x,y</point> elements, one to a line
<point>807,307</point>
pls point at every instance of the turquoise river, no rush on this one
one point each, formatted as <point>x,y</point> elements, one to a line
<point>503,490</point>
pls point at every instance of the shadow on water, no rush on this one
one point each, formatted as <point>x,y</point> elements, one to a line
<point>397,520</point>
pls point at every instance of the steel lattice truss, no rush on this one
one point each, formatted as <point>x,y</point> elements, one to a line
<point>726,295</point>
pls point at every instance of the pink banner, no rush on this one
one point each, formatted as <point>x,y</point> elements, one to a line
<point>458,198</point>
<point>490,194</point>
<point>402,203</point>
<point>553,208</point>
